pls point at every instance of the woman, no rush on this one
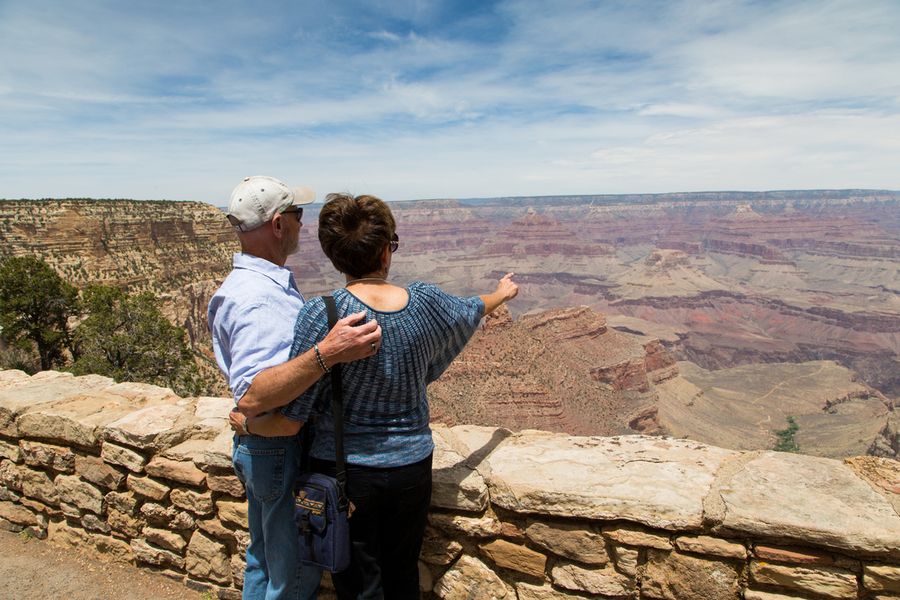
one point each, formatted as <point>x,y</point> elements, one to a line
<point>387,439</point>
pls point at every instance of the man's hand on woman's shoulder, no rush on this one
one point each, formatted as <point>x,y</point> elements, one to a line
<point>349,341</point>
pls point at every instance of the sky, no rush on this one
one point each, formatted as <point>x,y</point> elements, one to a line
<point>409,99</point>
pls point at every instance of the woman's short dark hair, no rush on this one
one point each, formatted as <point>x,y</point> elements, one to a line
<point>354,231</point>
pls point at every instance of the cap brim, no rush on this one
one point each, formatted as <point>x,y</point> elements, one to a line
<point>303,195</point>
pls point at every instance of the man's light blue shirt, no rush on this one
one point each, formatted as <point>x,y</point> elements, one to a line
<point>251,318</point>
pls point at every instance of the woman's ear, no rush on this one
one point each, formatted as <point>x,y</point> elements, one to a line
<point>386,255</point>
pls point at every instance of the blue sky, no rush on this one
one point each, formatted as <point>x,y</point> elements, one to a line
<point>408,99</point>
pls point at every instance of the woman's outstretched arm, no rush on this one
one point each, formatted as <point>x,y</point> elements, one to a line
<point>506,290</point>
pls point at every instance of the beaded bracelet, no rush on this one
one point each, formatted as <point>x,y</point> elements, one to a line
<point>319,359</point>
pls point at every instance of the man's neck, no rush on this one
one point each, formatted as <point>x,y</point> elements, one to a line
<point>262,244</point>
<point>271,259</point>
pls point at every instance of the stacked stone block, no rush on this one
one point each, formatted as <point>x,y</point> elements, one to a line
<point>128,470</point>
<point>538,515</point>
<point>138,474</point>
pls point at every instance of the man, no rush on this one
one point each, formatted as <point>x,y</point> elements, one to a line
<point>251,318</point>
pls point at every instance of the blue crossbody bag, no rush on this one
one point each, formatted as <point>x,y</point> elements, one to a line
<point>321,507</point>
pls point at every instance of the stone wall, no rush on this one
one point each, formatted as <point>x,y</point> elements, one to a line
<point>137,473</point>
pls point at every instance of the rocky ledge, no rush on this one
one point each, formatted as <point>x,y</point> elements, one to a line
<point>135,472</point>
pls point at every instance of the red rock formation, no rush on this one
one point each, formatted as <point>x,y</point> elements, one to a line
<point>659,363</point>
<point>741,248</point>
<point>561,370</point>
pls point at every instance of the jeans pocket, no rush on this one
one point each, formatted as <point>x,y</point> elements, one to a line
<point>261,470</point>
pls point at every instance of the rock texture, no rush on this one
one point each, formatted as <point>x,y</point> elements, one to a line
<point>742,407</point>
<point>559,370</point>
<point>645,480</point>
<point>526,515</point>
<point>743,277</point>
<point>832,487</point>
<point>181,251</point>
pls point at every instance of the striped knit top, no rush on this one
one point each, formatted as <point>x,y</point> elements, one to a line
<point>385,406</point>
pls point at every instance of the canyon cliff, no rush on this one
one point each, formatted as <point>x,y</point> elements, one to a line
<point>180,251</point>
<point>566,370</point>
<point>778,282</point>
<point>559,370</point>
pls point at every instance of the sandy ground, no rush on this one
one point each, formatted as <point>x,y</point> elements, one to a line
<point>31,569</point>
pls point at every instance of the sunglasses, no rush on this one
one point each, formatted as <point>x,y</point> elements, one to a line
<point>294,210</point>
<point>395,243</point>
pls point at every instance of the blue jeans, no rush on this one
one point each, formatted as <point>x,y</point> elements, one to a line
<point>268,467</point>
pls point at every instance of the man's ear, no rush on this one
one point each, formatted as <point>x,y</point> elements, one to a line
<point>277,225</point>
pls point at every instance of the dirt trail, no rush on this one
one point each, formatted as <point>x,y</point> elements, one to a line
<point>34,570</point>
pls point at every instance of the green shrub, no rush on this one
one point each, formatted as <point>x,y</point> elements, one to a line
<point>126,337</point>
<point>35,306</point>
<point>786,441</point>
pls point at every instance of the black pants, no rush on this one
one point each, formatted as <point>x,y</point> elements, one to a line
<point>386,528</point>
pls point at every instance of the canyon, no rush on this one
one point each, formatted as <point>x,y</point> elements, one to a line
<point>712,316</point>
<point>769,281</point>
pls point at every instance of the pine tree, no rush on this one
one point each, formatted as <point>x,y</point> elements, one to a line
<point>35,306</point>
<point>126,337</point>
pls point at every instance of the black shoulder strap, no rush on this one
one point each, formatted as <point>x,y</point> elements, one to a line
<point>337,403</point>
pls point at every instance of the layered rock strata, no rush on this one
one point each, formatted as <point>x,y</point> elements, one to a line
<point>168,248</point>
<point>137,474</point>
<point>180,251</point>
<point>561,370</point>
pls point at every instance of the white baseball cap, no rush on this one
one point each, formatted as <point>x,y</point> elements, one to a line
<point>257,199</point>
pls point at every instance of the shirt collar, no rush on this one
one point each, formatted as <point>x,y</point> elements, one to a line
<point>280,275</point>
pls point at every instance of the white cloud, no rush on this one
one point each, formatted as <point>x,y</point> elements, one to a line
<point>386,36</point>
<point>809,51</point>
<point>675,109</point>
<point>412,99</point>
